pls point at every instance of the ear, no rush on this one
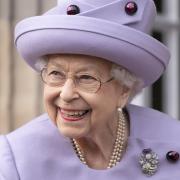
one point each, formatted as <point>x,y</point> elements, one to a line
<point>123,96</point>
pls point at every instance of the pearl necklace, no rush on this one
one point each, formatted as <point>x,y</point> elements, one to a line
<point>118,145</point>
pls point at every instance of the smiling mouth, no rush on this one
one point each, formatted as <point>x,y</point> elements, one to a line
<point>73,115</point>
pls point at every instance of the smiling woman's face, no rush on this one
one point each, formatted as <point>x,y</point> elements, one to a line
<point>76,112</point>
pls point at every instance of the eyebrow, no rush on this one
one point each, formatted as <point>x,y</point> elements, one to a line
<point>55,64</point>
<point>88,68</point>
<point>81,69</point>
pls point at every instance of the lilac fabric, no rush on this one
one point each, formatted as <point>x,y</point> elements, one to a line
<point>38,151</point>
<point>102,29</point>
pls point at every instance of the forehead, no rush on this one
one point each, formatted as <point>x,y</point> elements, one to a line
<point>78,62</point>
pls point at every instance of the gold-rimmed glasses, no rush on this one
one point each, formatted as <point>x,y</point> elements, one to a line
<point>82,81</point>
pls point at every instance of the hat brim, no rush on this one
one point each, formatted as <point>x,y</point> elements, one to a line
<point>53,34</point>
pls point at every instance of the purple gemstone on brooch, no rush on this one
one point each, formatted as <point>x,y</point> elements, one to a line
<point>146,151</point>
<point>172,156</point>
<point>131,8</point>
<point>73,10</point>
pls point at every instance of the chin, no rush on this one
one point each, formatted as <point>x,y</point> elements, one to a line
<point>73,132</point>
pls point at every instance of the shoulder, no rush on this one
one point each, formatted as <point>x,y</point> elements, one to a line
<point>22,148</point>
<point>9,144</point>
<point>37,133</point>
<point>152,124</point>
<point>39,125</point>
<point>7,164</point>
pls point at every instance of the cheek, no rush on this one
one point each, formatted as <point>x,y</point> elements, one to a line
<point>108,97</point>
<point>49,100</point>
<point>49,94</point>
<point>103,105</point>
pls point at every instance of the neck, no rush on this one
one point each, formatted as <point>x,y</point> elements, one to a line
<point>97,148</point>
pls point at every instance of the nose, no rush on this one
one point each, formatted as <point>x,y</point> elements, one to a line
<point>68,91</point>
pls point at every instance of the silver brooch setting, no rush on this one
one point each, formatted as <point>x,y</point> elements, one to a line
<point>149,162</point>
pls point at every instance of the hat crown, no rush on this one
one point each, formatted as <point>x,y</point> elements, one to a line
<point>114,11</point>
<point>90,2</point>
<point>112,30</point>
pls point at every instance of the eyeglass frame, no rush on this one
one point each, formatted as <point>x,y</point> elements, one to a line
<point>75,83</point>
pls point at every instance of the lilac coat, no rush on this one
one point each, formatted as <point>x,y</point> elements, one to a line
<point>37,151</point>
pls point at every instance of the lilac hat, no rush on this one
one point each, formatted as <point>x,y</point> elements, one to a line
<point>116,30</point>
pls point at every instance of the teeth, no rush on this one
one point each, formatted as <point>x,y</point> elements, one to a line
<point>73,113</point>
<point>81,113</point>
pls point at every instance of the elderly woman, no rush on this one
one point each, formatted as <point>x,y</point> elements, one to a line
<point>93,57</point>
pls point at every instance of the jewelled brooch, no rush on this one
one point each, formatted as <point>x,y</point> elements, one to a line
<point>149,162</point>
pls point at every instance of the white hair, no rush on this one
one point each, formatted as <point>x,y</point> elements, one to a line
<point>119,73</point>
<point>41,63</point>
<point>127,79</point>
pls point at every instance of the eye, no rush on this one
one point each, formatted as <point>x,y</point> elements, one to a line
<point>85,78</point>
<point>56,74</point>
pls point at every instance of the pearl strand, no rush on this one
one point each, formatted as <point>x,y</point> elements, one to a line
<point>118,145</point>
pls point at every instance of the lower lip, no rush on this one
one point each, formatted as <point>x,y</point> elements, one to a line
<point>71,118</point>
